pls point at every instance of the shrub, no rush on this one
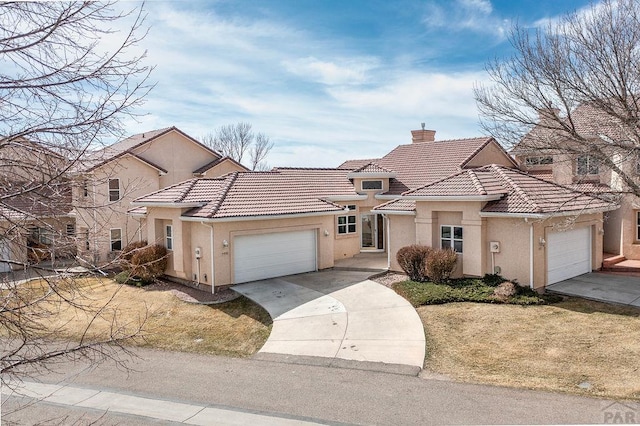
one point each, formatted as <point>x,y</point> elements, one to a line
<point>412,260</point>
<point>440,264</point>
<point>128,251</point>
<point>493,280</point>
<point>125,277</point>
<point>149,262</point>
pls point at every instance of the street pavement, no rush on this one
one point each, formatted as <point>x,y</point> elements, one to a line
<point>258,392</point>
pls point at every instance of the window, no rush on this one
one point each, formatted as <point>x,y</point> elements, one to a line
<point>371,184</point>
<point>71,229</point>
<point>169,237</point>
<point>451,237</point>
<point>538,160</point>
<point>638,225</point>
<point>85,189</point>
<point>114,189</point>
<point>116,239</point>
<point>586,165</point>
<point>347,223</point>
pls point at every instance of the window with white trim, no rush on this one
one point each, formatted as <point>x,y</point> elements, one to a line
<point>115,237</point>
<point>114,189</point>
<point>347,223</point>
<point>638,225</point>
<point>587,165</point>
<point>371,184</point>
<point>451,237</point>
<point>168,234</point>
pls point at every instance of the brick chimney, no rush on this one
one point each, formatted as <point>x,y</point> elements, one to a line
<point>418,136</point>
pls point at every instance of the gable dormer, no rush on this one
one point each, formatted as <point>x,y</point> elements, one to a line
<point>371,179</point>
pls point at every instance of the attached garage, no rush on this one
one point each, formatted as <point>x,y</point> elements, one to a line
<point>263,256</point>
<point>568,254</point>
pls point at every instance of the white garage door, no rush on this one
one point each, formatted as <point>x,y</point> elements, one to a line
<point>264,256</point>
<point>4,254</point>
<point>568,254</point>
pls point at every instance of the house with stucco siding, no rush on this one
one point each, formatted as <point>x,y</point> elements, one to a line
<point>467,194</point>
<point>109,179</point>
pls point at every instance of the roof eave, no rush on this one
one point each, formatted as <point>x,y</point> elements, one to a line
<point>380,175</point>
<point>452,197</point>
<point>355,197</point>
<point>260,217</point>
<point>167,204</point>
<point>396,212</point>
<point>387,196</point>
<point>551,214</point>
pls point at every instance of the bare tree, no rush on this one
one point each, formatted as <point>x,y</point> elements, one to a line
<point>67,80</point>
<point>238,141</point>
<point>572,89</point>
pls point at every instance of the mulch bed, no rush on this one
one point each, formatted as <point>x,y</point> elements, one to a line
<point>194,295</point>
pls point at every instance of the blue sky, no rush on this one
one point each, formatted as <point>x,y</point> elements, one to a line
<point>328,80</point>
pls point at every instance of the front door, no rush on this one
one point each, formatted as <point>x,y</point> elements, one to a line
<point>372,232</point>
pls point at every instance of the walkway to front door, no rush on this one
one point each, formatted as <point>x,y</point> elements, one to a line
<point>604,287</point>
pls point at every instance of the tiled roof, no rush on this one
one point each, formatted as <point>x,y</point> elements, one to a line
<point>397,205</point>
<point>372,167</point>
<point>214,163</point>
<point>356,164</point>
<point>587,120</point>
<point>109,153</point>
<point>248,194</point>
<point>519,192</point>
<point>52,200</point>
<point>417,164</point>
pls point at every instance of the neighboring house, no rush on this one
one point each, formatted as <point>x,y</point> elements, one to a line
<point>545,153</point>
<point>464,194</point>
<point>35,205</point>
<point>109,179</point>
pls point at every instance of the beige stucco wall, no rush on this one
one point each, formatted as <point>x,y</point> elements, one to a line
<point>178,155</point>
<point>625,235</point>
<point>431,215</point>
<point>98,215</point>
<point>402,232</point>
<point>490,154</point>
<point>513,234</point>
<point>514,257</point>
<point>224,167</point>
<point>189,235</point>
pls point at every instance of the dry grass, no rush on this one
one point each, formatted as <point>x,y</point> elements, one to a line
<point>235,328</point>
<point>554,347</point>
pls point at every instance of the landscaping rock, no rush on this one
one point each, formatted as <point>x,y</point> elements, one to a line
<point>505,290</point>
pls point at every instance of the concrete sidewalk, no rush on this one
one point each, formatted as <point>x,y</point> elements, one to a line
<point>133,405</point>
<point>342,317</point>
<point>604,287</point>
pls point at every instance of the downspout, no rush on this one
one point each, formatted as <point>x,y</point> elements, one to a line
<point>530,254</point>
<point>213,269</point>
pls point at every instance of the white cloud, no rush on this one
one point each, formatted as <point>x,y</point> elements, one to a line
<point>345,71</point>
<point>471,15</point>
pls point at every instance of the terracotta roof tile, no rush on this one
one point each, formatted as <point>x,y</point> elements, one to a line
<point>247,194</point>
<point>519,192</point>
<point>397,205</point>
<point>417,164</point>
<point>372,167</point>
<point>356,164</point>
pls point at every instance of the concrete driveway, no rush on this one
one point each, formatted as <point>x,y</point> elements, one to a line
<point>604,287</point>
<point>339,316</point>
